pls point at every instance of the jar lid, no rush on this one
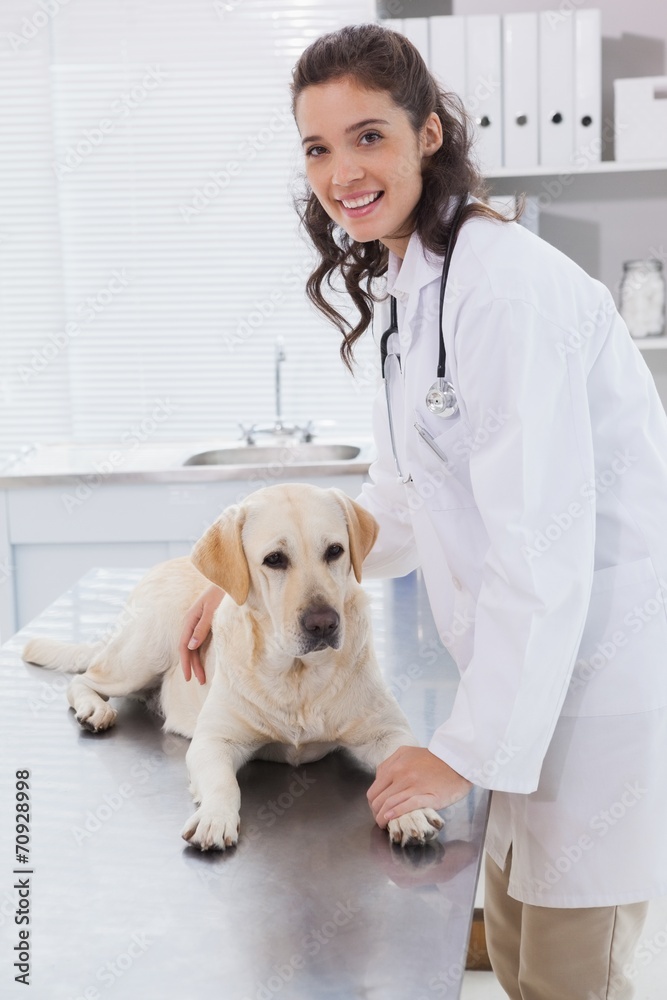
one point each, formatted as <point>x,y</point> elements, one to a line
<point>650,264</point>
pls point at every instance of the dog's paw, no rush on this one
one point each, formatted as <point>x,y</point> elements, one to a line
<point>416,827</point>
<point>212,831</point>
<point>95,717</point>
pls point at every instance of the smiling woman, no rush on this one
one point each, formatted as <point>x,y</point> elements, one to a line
<point>368,171</point>
<point>465,492</point>
<point>395,148</point>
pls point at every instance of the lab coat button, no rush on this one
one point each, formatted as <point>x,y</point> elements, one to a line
<point>457,583</point>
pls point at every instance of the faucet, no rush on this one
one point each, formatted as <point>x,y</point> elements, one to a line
<point>278,428</point>
<point>280,358</point>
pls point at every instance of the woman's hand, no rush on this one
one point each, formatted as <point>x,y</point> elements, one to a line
<point>414,778</point>
<point>195,630</point>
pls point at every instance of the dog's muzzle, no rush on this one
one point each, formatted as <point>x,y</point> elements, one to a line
<point>321,627</point>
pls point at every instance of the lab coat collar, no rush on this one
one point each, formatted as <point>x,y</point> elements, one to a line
<point>407,277</point>
<point>405,280</point>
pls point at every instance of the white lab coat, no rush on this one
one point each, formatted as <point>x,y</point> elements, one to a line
<point>542,536</point>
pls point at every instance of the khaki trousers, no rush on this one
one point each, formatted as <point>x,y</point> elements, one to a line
<point>549,953</point>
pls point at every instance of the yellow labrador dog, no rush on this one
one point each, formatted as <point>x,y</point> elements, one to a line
<point>291,672</point>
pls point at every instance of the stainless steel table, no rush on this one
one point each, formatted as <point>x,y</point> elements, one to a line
<point>314,903</point>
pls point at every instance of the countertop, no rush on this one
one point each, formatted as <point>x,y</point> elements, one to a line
<point>68,464</point>
<point>314,903</point>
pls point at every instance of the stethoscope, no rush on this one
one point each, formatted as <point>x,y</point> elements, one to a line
<point>441,397</point>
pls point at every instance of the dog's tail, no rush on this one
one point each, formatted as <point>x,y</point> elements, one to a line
<point>68,657</point>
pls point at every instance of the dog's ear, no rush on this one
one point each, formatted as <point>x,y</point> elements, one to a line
<point>362,529</point>
<point>220,557</point>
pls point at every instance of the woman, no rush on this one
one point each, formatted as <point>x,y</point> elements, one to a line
<point>536,511</point>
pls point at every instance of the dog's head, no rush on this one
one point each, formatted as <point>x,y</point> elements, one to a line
<point>290,552</point>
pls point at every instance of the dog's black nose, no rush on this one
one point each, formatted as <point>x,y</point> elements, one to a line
<point>321,623</point>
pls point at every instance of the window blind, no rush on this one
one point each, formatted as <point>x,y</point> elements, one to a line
<point>149,249</point>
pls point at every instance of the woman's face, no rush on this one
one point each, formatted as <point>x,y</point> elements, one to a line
<point>363,159</point>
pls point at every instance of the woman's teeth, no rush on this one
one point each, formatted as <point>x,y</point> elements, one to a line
<point>360,202</point>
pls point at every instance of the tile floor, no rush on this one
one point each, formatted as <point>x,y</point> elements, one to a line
<point>651,978</point>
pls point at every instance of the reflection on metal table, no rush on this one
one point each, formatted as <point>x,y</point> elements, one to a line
<point>315,902</point>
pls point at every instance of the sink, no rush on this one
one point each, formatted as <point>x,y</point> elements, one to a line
<point>287,454</point>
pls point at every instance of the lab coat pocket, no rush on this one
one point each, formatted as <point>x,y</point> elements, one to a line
<point>620,667</point>
<point>442,476</point>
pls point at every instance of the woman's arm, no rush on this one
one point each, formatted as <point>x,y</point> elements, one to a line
<point>395,551</point>
<point>527,476</point>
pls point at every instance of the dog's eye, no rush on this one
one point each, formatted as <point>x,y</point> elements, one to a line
<point>333,552</point>
<point>278,560</point>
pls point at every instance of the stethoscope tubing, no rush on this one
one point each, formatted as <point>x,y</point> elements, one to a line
<point>393,318</point>
<point>451,243</point>
<point>442,357</point>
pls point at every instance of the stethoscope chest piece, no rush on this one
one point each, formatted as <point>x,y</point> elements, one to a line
<point>441,399</point>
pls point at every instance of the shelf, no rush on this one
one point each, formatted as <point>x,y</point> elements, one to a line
<point>602,167</point>
<point>651,343</point>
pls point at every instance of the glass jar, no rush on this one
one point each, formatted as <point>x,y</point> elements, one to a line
<point>642,297</point>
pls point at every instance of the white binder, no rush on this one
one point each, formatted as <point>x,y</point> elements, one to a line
<point>503,203</point>
<point>507,205</point>
<point>520,101</point>
<point>587,87</point>
<point>556,86</point>
<point>447,51</point>
<point>640,119</point>
<point>530,219</point>
<point>416,29</point>
<point>483,92</point>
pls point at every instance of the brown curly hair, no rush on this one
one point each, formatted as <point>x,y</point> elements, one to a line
<point>378,58</point>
